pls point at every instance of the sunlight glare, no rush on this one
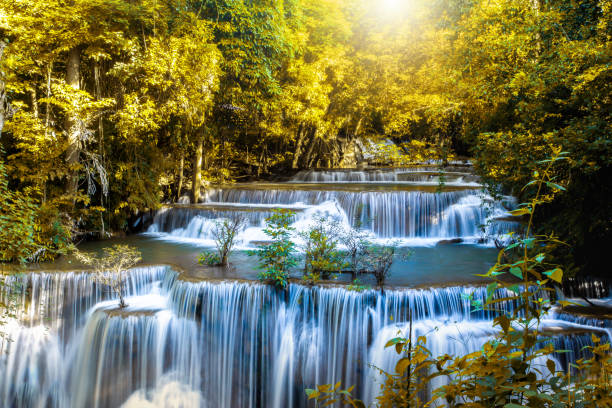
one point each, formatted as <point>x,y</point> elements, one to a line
<point>392,5</point>
<point>393,8</point>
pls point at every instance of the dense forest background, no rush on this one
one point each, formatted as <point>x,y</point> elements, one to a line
<point>109,107</point>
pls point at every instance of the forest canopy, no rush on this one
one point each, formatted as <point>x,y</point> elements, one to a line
<point>110,107</point>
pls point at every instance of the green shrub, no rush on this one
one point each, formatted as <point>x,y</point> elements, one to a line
<point>224,233</point>
<point>209,258</point>
<point>322,257</point>
<point>29,232</point>
<point>277,257</point>
<point>377,260</point>
<point>356,241</point>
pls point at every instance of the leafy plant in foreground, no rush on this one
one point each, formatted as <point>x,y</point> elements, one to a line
<point>277,257</point>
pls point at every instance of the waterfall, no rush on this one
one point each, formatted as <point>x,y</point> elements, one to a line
<point>456,176</point>
<point>130,350</point>
<point>416,206</point>
<point>221,344</point>
<point>50,310</point>
<point>405,215</point>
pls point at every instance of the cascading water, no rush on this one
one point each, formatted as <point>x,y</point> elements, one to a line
<point>223,344</point>
<point>236,344</point>
<point>413,211</point>
<point>423,175</point>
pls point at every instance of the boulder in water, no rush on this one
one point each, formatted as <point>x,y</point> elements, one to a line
<point>450,241</point>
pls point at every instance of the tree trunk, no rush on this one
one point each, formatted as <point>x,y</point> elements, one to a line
<point>197,169</point>
<point>313,141</point>
<point>179,188</point>
<point>73,75</point>
<point>298,146</point>
<point>358,126</point>
<point>100,123</point>
<point>34,102</point>
<point>2,91</point>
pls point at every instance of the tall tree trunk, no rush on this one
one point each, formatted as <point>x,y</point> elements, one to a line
<point>179,188</point>
<point>34,101</point>
<point>298,146</point>
<point>313,142</point>
<point>100,123</point>
<point>197,169</point>
<point>358,126</point>
<point>73,76</point>
<point>103,192</point>
<point>2,90</point>
<point>48,91</point>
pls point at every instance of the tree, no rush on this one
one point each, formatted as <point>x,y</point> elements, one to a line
<point>224,233</point>
<point>3,102</point>
<point>112,266</point>
<point>175,77</point>
<point>377,261</point>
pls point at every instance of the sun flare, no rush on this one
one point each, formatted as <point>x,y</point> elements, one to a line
<point>392,5</point>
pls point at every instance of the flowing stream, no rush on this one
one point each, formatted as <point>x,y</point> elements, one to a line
<point>235,343</point>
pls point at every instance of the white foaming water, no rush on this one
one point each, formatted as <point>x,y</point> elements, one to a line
<point>225,344</point>
<point>415,175</point>
<point>169,393</point>
<point>410,218</point>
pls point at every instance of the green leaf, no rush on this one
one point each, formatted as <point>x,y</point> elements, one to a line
<point>311,393</point>
<point>511,246</point>
<point>394,341</point>
<point>529,242</point>
<point>555,186</point>
<point>516,272</point>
